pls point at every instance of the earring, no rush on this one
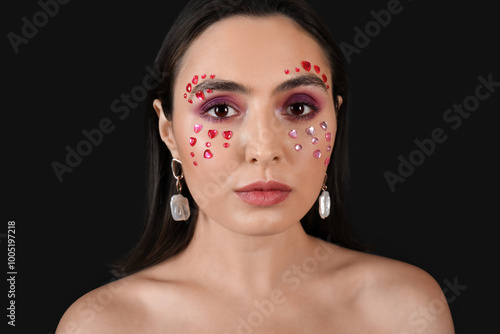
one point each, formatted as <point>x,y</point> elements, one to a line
<point>179,205</point>
<point>324,201</point>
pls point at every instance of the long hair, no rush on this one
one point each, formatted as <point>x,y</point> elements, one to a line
<point>162,237</point>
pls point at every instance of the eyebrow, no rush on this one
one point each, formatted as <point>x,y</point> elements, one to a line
<point>231,86</point>
<point>303,80</point>
<point>224,85</point>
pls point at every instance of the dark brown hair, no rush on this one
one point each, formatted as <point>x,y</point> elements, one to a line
<point>162,237</point>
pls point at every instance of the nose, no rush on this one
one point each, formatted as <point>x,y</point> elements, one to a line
<point>264,143</point>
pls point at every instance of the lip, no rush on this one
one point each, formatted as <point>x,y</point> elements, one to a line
<point>264,193</point>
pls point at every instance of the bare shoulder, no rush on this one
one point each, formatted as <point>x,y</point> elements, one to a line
<point>112,308</point>
<point>392,295</point>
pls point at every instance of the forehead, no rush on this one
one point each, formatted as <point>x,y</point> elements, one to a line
<point>251,48</point>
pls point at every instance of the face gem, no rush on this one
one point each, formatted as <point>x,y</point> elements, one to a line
<point>328,148</point>
<point>190,101</point>
<point>297,69</point>
<point>204,76</point>
<point>317,154</point>
<point>298,147</point>
<point>212,76</point>
<point>189,88</point>
<point>200,95</point>
<point>195,163</point>
<point>198,128</point>
<point>328,137</point>
<point>327,86</point>
<point>227,134</point>
<point>315,141</point>
<point>208,144</point>
<point>293,134</point>
<point>287,71</point>
<point>317,69</point>
<point>323,125</point>
<point>209,91</point>
<point>226,145</point>
<point>192,141</point>
<point>185,95</point>
<point>195,80</point>
<point>192,154</point>
<point>212,133</point>
<point>327,161</point>
<point>208,154</point>
<point>306,65</point>
<point>325,79</point>
<point>310,131</point>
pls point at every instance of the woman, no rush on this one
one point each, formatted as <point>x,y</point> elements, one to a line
<point>247,144</point>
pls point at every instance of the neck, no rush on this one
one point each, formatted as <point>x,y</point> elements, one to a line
<point>255,264</point>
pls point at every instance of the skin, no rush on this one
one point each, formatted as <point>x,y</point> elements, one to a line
<point>254,269</point>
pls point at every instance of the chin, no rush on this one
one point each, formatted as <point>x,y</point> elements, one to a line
<point>260,224</point>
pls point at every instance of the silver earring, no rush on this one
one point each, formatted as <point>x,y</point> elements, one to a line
<point>324,201</point>
<point>179,205</point>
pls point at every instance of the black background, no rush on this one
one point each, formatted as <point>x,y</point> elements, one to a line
<point>65,79</point>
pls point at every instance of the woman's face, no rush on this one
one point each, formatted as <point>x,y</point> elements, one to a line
<point>253,123</point>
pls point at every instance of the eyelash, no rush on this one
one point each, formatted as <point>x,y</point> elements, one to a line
<point>312,114</point>
<point>211,105</point>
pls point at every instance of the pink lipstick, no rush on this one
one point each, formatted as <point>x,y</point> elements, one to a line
<point>264,193</point>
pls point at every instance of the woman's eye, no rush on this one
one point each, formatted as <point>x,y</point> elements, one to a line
<point>299,109</point>
<point>221,111</point>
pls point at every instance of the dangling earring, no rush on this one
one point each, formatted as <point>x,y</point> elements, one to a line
<point>324,201</point>
<point>179,205</point>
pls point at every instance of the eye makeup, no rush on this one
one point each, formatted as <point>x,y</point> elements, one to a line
<point>219,109</point>
<point>298,107</point>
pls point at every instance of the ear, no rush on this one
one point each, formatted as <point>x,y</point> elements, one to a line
<point>166,129</point>
<point>338,103</point>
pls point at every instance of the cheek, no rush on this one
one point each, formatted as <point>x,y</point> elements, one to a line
<point>314,142</point>
<point>207,150</point>
<point>207,144</point>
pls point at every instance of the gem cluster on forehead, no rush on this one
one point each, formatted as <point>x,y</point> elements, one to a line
<point>207,154</point>
<point>307,66</point>
<point>312,137</point>
<point>200,94</point>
